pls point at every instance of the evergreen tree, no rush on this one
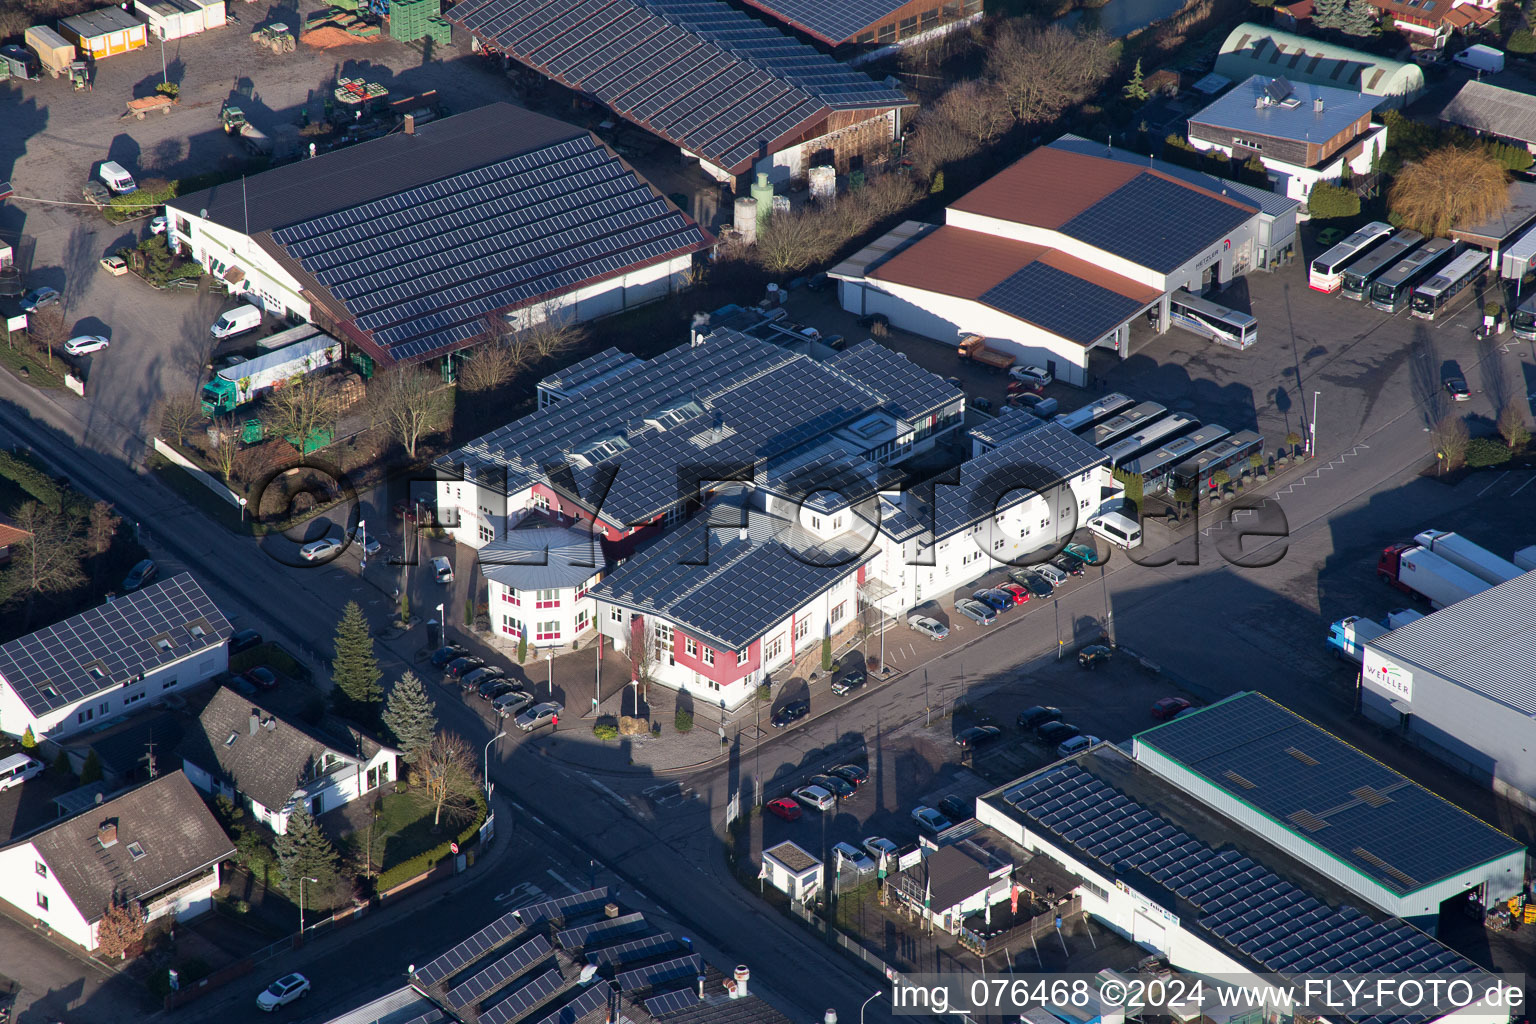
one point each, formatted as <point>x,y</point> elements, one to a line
<point>355,669</point>
<point>1359,18</point>
<point>303,851</point>
<point>90,771</point>
<point>28,741</point>
<point>408,715</point>
<point>1136,88</point>
<point>1328,13</point>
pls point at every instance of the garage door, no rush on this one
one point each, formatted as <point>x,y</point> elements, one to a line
<point>1149,932</point>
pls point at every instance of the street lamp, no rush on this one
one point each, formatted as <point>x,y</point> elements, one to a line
<point>866,1003</point>
<point>487,780</point>
<point>362,531</point>
<point>549,659</point>
<point>302,880</point>
<point>635,683</point>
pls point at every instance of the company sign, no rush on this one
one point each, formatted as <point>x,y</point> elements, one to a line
<point>1394,679</point>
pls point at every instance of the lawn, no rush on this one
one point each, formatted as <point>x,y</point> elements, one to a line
<point>404,828</point>
<point>39,373</point>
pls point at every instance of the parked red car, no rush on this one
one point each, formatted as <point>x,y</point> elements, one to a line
<point>1020,594</point>
<point>1168,707</point>
<point>785,808</point>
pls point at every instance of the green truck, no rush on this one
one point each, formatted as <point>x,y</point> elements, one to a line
<point>237,385</point>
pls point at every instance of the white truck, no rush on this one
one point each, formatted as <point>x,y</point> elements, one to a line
<point>236,385</point>
<point>1350,634</point>
<point>1461,552</point>
<point>1397,618</point>
<point>1414,569</point>
<point>1481,58</point>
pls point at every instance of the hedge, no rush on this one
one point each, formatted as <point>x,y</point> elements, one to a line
<point>424,862</point>
<point>31,479</point>
<point>1485,451</point>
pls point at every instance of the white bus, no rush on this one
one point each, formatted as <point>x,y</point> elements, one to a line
<point>1094,412</point>
<point>1391,291</point>
<point>1451,287</point>
<point>1156,467</point>
<point>1356,282</point>
<point>1127,448</point>
<point>1522,323</point>
<point>1102,435</point>
<point>1222,325</point>
<point>16,769</point>
<point>1327,271</point>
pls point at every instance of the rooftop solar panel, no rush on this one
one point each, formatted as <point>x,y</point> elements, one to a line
<point>591,999</point>
<point>660,1006</point>
<point>635,949</point>
<point>1059,302</point>
<point>575,938</point>
<point>558,909</point>
<point>471,949</point>
<point>521,1000</point>
<point>1156,222</point>
<point>648,977</point>
<point>494,975</point>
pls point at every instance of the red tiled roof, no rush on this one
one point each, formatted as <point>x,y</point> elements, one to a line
<point>966,264</point>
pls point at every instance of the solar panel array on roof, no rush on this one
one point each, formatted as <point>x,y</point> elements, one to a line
<point>432,1016</point>
<point>671,1002</point>
<point>558,909</point>
<point>111,645</point>
<point>710,79</point>
<point>647,977</point>
<point>420,269</point>
<point>1156,223</point>
<point>470,950</point>
<point>1279,926</point>
<point>575,938</point>
<point>909,389</point>
<point>635,949</point>
<point>831,22</point>
<point>496,974</point>
<point>1062,303</point>
<point>524,998</point>
<point>590,1000</point>
<point>1369,816</point>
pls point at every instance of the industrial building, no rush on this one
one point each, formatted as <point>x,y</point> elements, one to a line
<point>173,19</point>
<point>1504,229</point>
<point>1166,871</point>
<point>1056,256</point>
<point>1340,812</point>
<point>1498,110</point>
<point>404,246</point>
<point>104,32</point>
<point>1301,133</point>
<point>737,94</point>
<point>1251,49</point>
<point>869,22</point>
<point>1461,684</point>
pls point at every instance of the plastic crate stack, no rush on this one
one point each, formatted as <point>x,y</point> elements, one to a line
<point>410,20</point>
<point>440,31</point>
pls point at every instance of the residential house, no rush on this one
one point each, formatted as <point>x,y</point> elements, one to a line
<point>120,657</point>
<point>11,538</point>
<point>157,846</point>
<point>1301,133</point>
<point>272,765</point>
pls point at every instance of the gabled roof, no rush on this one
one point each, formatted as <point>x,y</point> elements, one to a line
<point>710,79</point>
<point>165,834</point>
<point>1495,109</point>
<point>542,557</point>
<point>831,22</point>
<point>100,22</point>
<point>1271,203</point>
<point>1295,117</point>
<point>112,644</point>
<point>1514,218</point>
<point>270,762</point>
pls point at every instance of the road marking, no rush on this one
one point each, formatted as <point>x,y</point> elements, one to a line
<point>551,873</point>
<point>604,789</point>
<point>1523,486</point>
<point>1493,483</point>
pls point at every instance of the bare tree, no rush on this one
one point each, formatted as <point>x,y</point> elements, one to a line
<point>1041,72</point>
<point>120,927</point>
<point>1513,428</point>
<point>1449,187</point>
<point>224,445</point>
<point>180,411</point>
<point>49,558</point>
<point>551,329</point>
<point>102,527</point>
<point>937,142</point>
<point>411,402</point>
<point>1451,438</point>
<point>493,362</point>
<point>303,408</point>
<point>978,109</point>
<point>448,770</point>
<point>794,241</point>
<point>48,328</point>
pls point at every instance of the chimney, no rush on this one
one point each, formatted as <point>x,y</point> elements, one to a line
<point>255,722</point>
<point>742,976</point>
<point>270,724</point>
<point>106,834</point>
<point>830,1017</point>
<point>1317,105</point>
<point>410,124</point>
<point>701,987</point>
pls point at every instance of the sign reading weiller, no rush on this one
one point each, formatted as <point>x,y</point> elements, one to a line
<point>1394,679</point>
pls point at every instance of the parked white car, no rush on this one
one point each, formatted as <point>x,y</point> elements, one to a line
<point>931,628</point>
<point>815,796</point>
<point>16,769</point>
<point>929,819</point>
<point>442,569</point>
<point>315,550</point>
<point>876,846</point>
<point>283,991</point>
<point>84,344</point>
<point>1075,745</point>
<point>853,855</point>
<point>1035,376</point>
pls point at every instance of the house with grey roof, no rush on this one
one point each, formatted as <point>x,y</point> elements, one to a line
<point>1502,110</point>
<point>253,756</point>
<point>538,579</point>
<point>1302,133</point>
<point>156,847</point>
<point>118,658</point>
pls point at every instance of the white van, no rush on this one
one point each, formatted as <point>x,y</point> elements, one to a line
<point>1117,529</point>
<point>116,177</point>
<point>443,569</point>
<point>236,321</point>
<point>16,769</point>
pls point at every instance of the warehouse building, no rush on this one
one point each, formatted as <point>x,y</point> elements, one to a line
<point>1499,232</point>
<point>173,19</point>
<point>1340,812</point>
<point>1056,256</point>
<point>1171,875</point>
<point>1253,49</point>
<point>403,246</point>
<point>1498,110</point>
<point>736,94</point>
<point>869,22</point>
<point>1461,684</point>
<point>1301,133</point>
<point>104,32</point>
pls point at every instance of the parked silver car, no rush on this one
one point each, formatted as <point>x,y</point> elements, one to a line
<point>975,611</point>
<point>931,628</point>
<point>509,704</point>
<point>540,714</point>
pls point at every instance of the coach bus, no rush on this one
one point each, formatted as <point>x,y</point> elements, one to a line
<point>1327,270</point>
<point>1230,453</point>
<point>1094,412</point>
<point>1149,436</point>
<point>1391,291</point>
<point>1523,321</point>
<point>1452,286</point>
<point>1156,467</point>
<point>1113,429</point>
<point>1356,282</point>
<point>1222,325</point>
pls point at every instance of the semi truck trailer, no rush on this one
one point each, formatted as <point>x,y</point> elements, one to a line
<point>1478,561</point>
<point>236,385</point>
<point>1414,569</point>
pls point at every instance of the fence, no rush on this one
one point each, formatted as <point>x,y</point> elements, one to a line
<point>864,956</point>
<point>199,474</point>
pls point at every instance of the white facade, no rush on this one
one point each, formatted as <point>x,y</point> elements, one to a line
<point>173,19</point>
<point>552,617</point>
<point>794,162</point>
<point>342,778</point>
<point>220,250</point>
<point>104,705</point>
<point>1295,181</point>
